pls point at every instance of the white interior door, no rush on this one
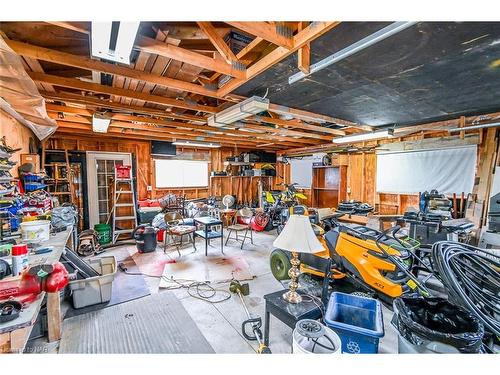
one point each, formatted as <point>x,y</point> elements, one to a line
<point>100,175</point>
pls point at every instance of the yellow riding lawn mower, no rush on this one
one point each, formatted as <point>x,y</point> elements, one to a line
<point>378,263</point>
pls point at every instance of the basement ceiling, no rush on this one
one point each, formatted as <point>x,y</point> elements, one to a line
<point>429,71</point>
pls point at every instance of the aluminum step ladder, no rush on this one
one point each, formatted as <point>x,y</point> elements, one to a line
<point>123,187</point>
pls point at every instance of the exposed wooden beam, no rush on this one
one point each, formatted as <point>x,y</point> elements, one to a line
<point>177,53</point>
<point>287,132</point>
<point>242,55</point>
<point>311,32</point>
<point>70,26</point>
<point>304,53</point>
<point>83,62</point>
<point>94,87</point>
<point>218,42</point>
<point>299,125</point>
<point>96,102</point>
<point>85,114</point>
<point>266,31</point>
<point>118,130</point>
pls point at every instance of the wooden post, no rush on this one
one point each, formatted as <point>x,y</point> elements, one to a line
<point>54,316</point>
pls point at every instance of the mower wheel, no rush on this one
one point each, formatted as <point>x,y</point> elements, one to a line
<point>280,264</point>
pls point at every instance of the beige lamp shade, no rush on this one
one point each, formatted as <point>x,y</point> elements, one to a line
<point>298,236</point>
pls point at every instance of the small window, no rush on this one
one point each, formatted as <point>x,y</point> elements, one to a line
<point>181,173</point>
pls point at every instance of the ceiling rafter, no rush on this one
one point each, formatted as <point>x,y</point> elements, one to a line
<point>218,42</point>
<point>271,32</point>
<point>265,132</point>
<point>146,44</point>
<point>95,87</point>
<point>50,55</point>
<point>311,32</point>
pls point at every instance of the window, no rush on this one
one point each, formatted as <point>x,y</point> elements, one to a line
<point>448,170</point>
<point>301,171</point>
<point>180,173</point>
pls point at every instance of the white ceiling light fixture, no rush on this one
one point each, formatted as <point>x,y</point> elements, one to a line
<point>196,144</point>
<point>360,137</point>
<point>240,111</point>
<point>114,41</point>
<point>100,123</point>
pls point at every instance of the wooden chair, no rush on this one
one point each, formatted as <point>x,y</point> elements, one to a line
<point>246,214</point>
<point>176,227</point>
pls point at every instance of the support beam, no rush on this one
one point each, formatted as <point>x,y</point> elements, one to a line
<point>83,62</point>
<point>299,125</point>
<point>94,102</point>
<point>266,31</point>
<point>311,32</point>
<point>218,42</point>
<point>165,125</point>
<point>304,53</point>
<point>94,87</point>
<point>117,131</point>
<point>180,54</point>
<point>70,26</point>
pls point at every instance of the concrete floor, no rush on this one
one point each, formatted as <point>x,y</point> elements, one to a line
<point>221,323</point>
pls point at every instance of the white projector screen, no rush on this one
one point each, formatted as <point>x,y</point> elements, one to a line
<point>301,171</point>
<point>449,170</point>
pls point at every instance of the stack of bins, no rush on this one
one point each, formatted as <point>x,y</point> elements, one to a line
<point>357,320</point>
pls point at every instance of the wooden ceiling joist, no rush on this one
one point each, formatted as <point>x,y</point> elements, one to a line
<point>219,43</point>
<point>90,101</point>
<point>94,87</point>
<point>177,53</point>
<point>268,31</point>
<point>83,62</point>
<point>118,130</point>
<point>55,111</point>
<point>311,32</point>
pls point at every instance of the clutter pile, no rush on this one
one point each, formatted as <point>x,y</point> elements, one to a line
<point>354,207</point>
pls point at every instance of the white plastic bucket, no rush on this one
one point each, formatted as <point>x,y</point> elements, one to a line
<point>35,231</point>
<point>304,345</point>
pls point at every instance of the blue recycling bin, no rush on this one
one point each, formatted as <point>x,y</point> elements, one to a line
<point>357,320</point>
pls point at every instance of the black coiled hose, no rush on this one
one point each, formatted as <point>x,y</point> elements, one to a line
<point>472,279</point>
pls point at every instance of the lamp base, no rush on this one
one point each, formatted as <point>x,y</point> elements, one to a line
<point>292,297</point>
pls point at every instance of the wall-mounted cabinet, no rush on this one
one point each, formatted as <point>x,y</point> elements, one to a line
<point>328,186</point>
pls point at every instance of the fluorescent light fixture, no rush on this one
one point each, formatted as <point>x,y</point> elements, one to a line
<point>100,123</point>
<point>360,45</point>
<point>353,138</point>
<point>196,144</point>
<point>114,40</point>
<point>247,108</point>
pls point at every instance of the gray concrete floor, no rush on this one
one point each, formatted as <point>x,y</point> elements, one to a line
<point>221,323</point>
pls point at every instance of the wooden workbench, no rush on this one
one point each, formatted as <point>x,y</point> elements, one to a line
<point>15,334</point>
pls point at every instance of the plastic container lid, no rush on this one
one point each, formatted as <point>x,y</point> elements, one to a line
<point>21,249</point>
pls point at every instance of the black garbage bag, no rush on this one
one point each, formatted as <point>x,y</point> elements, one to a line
<point>420,320</point>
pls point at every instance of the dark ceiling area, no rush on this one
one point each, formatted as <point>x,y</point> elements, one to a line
<point>427,72</point>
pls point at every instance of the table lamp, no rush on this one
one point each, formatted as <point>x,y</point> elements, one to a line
<point>297,237</point>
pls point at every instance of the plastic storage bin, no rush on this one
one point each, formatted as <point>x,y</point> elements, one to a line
<point>357,320</point>
<point>123,171</point>
<point>97,289</point>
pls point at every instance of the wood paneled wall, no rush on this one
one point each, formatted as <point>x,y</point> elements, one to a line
<point>16,135</point>
<point>145,162</point>
<point>361,176</point>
